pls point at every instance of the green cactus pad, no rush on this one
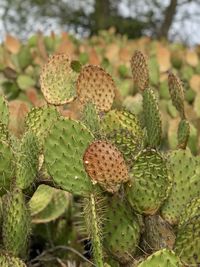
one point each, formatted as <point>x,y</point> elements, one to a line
<point>150,182</point>
<point>183,133</point>
<point>152,118</point>
<point>58,80</point>
<point>177,94</point>
<point>90,118</point>
<point>124,130</point>
<point>40,120</point>
<point>6,166</point>
<point>7,260</point>
<point>4,111</point>
<point>190,210</point>
<point>55,208</point>
<point>41,198</point>
<point>162,258</point>
<point>27,161</point>
<point>187,244</point>
<point>68,139</point>
<point>185,172</point>
<point>121,230</point>
<point>17,215</point>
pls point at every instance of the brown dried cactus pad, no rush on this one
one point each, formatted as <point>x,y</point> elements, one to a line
<point>58,80</point>
<point>96,85</point>
<point>140,70</point>
<point>105,164</point>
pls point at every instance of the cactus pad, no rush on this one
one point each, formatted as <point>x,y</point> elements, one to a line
<point>121,230</point>
<point>55,208</point>
<point>183,133</point>
<point>177,93</point>
<point>58,80</point>
<point>162,258</point>
<point>90,118</point>
<point>16,214</point>
<point>152,118</point>
<point>41,198</point>
<point>105,164</point>
<point>96,85</point>
<point>68,139</point>
<point>150,182</point>
<point>124,130</point>
<point>40,120</point>
<point>187,244</point>
<point>185,172</point>
<point>140,71</point>
<point>6,166</point>
<point>27,161</point>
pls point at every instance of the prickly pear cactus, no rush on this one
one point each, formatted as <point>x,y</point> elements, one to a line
<point>177,93</point>
<point>27,161</point>
<point>185,172</point>
<point>58,80</point>
<point>68,139</point>
<point>15,214</point>
<point>55,208</point>
<point>152,118</point>
<point>7,166</point>
<point>162,258</point>
<point>183,133</point>
<point>124,130</point>
<point>39,120</point>
<point>121,230</point>
<point>105,164</point>
<point>140,71</point>
<point>187,244</point>
<point>96,85</point>
<point>150,182</point>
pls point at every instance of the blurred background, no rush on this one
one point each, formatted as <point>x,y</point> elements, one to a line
<point>177,20</point>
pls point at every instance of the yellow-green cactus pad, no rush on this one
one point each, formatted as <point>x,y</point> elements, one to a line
<point>39,120</point>
<point>185,172</point>
<point>187,244</point>
<point>41,198</point>
<point>27,161</point>
<point>162,258</point>
<point>16,223</point>
<point>55,208</point>
<point>63,151</point>
<point>152,118</point>
<point>58,80</point>
<point>6,166</point>
<point>150,182</point>
<point>177,93</point>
